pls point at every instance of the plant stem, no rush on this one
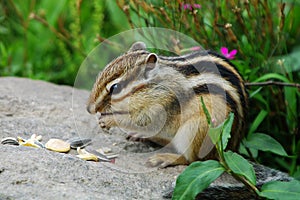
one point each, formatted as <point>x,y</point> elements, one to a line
<point>241,178</point>
<point>246,183</point>
<point>297,85</point>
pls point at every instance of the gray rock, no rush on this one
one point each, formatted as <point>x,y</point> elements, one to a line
<point>35,107</point>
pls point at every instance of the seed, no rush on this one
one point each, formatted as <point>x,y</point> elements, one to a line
<point>83,154</point>
<point>58,145</point>
<point>101,156</point>
<point>10,141</point>
<point>79,142</point>
<point>32,142</point>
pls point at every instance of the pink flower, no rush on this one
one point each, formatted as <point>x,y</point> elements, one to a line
<point>214,122</point>
<point>197,6</point>
<point>229,55</point>
<point>187,6</point>
<point>190,6</point>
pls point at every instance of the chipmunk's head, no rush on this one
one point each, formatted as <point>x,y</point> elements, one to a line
<point>126,75</point>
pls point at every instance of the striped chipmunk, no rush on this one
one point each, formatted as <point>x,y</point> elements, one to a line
<point>158,98</point>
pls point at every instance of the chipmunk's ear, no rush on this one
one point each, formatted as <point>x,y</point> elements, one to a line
<point>151,59</point>
<point>150,63</point>
<point>138,46</point>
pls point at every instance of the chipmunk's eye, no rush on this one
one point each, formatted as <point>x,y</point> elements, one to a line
<point>115,88</point>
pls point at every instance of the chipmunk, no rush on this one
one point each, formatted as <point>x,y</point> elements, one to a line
<point>158,98</point>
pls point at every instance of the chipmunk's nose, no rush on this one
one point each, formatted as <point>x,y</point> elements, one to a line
<point>91,108</point>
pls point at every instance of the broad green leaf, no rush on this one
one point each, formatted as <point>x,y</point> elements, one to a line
<point>264,142</point>
<point>223,129</point>
<point>227,130</point>
<point>258,120</point>
<point>195,178</point>
<point>281,190</point>
<point>240,165</point>
<point>243,150</point>
<point>215,133</point>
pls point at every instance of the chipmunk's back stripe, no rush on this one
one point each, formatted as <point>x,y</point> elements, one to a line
<point>209,62</point>
<point>243,94</point>
<point>217,90</point>
<point>184,57</point>
<point>211,65</point>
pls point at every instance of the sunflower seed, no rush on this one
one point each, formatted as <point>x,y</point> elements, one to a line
<point>32,142</point>
<point>83,154</point>
<point>10,141</point>
<point>101,156</point>
<point>79,142</point>
<point>58,145</point>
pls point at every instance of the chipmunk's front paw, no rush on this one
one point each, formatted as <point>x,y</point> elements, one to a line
<point>166,159</point>
<point>105,123</point>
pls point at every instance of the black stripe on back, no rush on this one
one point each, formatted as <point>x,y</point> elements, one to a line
<point>241,94</point>
<point>213,68</point>
<point>217,90</point>
<point>210,67</point>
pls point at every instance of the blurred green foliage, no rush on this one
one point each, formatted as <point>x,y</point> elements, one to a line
<point>50,39</point>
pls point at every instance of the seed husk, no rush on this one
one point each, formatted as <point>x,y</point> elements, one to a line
<point>32,142</point>
<point>10,141</point>
<point>83,154</point>
<point>111,155</point>
<point>105,152</point>
<point>58,145</point>
<point>79,142</point>
<point>101,156</point>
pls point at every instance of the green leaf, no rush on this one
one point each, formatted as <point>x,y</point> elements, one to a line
<point>215,133</point>
<point>240,165</point>
<point>264,142</point>
<point>272,76</point>
<point>252,152</point>
<point>195,178</point>
<point>258,120</point>
<point>223,129</point>
<point>227,130</point>
<point>252,94</point>
<point>208,117</point>
<point>281,190</point>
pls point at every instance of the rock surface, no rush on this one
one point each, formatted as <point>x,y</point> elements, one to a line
<point>35,107</point>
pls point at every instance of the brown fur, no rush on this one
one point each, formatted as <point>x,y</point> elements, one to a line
<point>159,100</point>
